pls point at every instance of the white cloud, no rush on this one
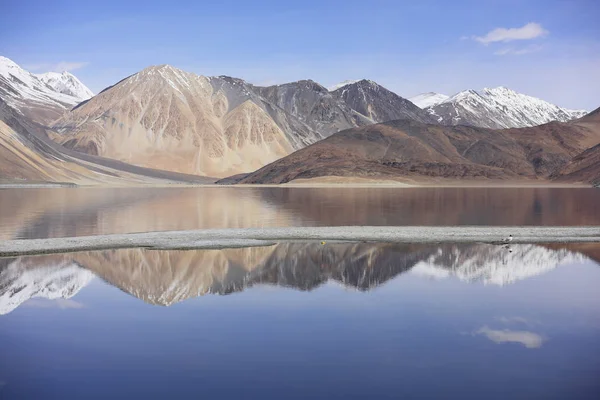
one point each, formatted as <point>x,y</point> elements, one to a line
<point>58,67</point>
<point>529,31</point>
<point>528,339</point>
<point>511,51</point>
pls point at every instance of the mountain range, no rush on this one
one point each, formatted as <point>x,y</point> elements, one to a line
<point>411,151</point>
<point>167,277</point>
<point>496,108</point>
<point>219,126</point>
<point>186,125</point>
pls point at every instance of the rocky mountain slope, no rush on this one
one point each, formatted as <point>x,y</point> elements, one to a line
<point>167,277</point>
<point>411,151</point>
<point>498,108</point>
<point>585,167</point>
<point>314,105</point>
<point>28,155</point>
<point>428,99</point>
<point>377,103</point>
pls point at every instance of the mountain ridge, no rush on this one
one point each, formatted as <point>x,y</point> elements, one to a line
<point>498,108</point>
<point>411,151</point>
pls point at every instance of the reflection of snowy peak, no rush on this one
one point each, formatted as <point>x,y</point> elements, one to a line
<point>20,282</point>
<point>494,264</point>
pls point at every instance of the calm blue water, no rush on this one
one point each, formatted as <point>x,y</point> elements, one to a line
<point>303,321</point>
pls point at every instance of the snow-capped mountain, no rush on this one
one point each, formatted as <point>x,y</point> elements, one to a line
<point>577,113</point>
<point>30,96</point>
<point>22,280</point>
<point>428,99</point>
<point>498,108</point>
<point>494,264</point>
<point>66,83</point>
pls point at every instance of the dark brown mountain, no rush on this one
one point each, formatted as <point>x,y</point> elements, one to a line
<point>411,151</point>
<point>584,167</point>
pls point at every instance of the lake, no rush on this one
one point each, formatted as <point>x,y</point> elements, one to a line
<point>299,320</point>
<point>57,212</point>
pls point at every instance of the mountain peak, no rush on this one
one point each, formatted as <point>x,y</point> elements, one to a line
<point>498,108</point>
<point>9,67</point>
<point>66,83</point>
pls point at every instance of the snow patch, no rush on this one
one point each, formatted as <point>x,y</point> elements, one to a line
<point>428,99</point>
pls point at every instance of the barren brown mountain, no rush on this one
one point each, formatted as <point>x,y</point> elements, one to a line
<point>173,120</point>
<point>27,154</point>
<point>584,167</point>
<point>411,151</point>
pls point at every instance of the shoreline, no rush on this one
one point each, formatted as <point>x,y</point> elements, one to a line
<point>251,237</point>
<point>292,185</point>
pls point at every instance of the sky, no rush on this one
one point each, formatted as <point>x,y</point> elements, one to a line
<point>545,48</point>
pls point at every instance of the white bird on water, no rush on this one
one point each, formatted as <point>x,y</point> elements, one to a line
<point>508,239</point>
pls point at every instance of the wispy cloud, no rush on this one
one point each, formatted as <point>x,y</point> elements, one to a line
<point>531,340</point>
<point>528,31</point>
<point>511,51</point>
<point>58,67</point>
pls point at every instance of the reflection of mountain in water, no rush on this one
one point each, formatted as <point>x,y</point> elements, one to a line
<point>24,278</point>
<point>494,264</point>
<point>168,277</point>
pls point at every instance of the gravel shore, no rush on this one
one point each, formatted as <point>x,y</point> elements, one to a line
<point>224,238</point>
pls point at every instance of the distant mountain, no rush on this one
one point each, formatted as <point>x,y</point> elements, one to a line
<point>66,83</point>
<point>219,126</point>
<point>310,102</point>
<point>498,108</point>
<point>377,103</point>
<point>411,151</point>
<point>428,99</point>
<point>34,96</point>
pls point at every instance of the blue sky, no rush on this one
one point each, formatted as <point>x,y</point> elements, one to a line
<point>553,51</point>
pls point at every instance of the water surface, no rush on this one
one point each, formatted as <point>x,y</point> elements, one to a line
<point>303,320</point>
<point>57,212</point>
